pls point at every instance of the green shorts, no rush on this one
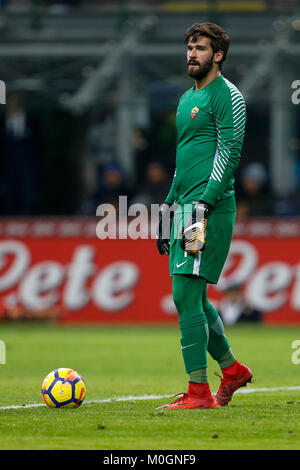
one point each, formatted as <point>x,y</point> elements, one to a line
<point>210,262</point>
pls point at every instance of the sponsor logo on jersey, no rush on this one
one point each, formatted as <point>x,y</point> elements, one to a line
<point>194,112</point>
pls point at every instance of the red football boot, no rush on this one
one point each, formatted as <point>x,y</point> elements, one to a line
<point>197,396</point>
<point>235,376</point>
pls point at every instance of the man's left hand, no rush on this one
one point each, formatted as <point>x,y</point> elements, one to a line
<point>164,229</point>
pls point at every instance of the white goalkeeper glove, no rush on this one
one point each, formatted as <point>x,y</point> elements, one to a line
<point>193,233</point>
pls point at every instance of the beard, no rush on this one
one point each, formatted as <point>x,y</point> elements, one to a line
<point>202,70</point>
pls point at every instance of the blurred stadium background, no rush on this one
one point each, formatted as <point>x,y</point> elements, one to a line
<point>92,89</point>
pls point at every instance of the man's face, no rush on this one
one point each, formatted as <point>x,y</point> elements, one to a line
<point>200,57</point>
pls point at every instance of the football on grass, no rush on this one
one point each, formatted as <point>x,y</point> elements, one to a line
<point>63,388</point>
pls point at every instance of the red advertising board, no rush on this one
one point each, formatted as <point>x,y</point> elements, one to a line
<point>60,263</point>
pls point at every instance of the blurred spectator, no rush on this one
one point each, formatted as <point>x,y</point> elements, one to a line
<point>156,142</point>
<point>242,210</point>
<point>20,137</point>
<point>100,151</point>
<point>253,197</point>
<point>233,308</point>
<point>142,152</point>
<point>287,206</point>
<point>162,139</point>
<point>155,187</point>
<point>111,185</point>
<point>100,145</point>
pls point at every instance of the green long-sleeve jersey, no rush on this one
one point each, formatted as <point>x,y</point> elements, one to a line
<point>210,132</point>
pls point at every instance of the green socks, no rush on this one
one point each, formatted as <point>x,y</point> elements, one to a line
<point>199,376</point>
<point>187,295</point>
<point>227,359</point>
<point>194,338</point>
<point>218,345</point>
<point>201,328</point>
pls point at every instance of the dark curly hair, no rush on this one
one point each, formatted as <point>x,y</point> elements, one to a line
<point>220,40</point>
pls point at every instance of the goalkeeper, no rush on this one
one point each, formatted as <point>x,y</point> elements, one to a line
<point>210,124</point>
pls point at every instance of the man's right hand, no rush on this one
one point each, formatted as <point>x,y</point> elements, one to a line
<point>193,234</point>
<point>164,229</point>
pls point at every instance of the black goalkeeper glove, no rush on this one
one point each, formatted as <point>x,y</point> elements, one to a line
<point>164,229</point>
<point>193,233</point>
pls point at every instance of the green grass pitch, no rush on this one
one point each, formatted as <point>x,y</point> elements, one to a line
<point>129,360</point>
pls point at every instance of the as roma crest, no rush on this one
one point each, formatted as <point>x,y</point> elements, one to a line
<point>194,112</point>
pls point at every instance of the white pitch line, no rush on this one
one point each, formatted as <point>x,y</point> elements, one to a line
<point>106,400</point>
<point>152,397</point>
<point>275,389</point>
